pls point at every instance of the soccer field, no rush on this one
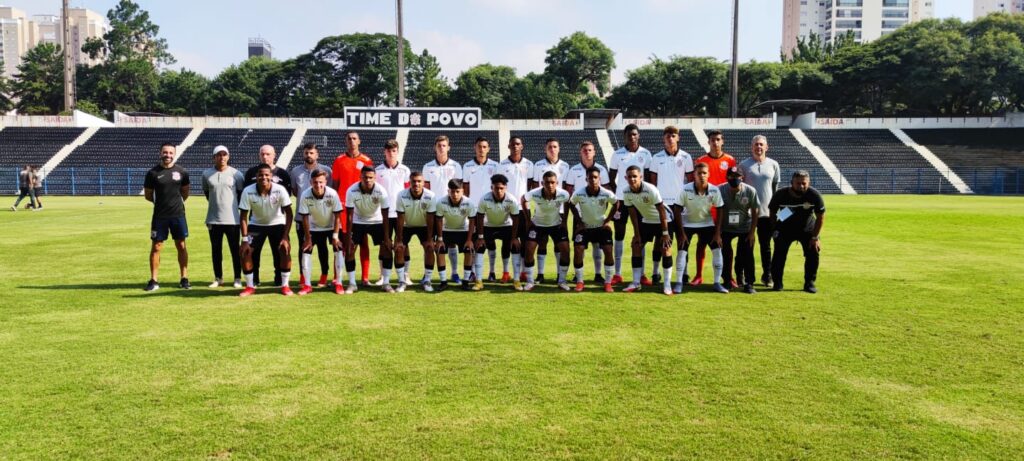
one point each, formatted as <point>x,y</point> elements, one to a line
<point>914,348</point>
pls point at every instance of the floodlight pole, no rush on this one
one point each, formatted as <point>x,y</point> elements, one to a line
<point>401,54</point>
<point>69,60</point>
<point>735,87</point>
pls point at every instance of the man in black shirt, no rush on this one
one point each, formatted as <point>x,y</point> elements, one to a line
<point>280,176</point>
<point>166,186</point>
<point>798,213</point>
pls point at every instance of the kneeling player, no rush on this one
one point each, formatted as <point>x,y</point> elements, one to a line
<point>498,218</point>
<point>547,220</point>
<point>650,223</point>
<point>453,213</point>
<point>367,204</point>
<point>416,208</point>
<point>594,209</point>
<point>697,199</point>
<point>320,209</point>
<point>265,214</point>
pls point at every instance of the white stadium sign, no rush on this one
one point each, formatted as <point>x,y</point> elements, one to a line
<point>412,117</point>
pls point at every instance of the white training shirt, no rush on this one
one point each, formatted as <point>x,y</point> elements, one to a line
<point>265,210</point>
<point>456,217</point>
<point>415,209</point>
<point>697,208</point>
<point>646,203</point>
<point>546,212</point>
<point>367,206</point>
<point>479,178</point>
<point>498,213</point>
<point>560,168</point>
<point>438,175</point>
<point>671,171</point>
<point>393,180</point>
<point>518,174</point>
<point>321,210</point>
<point>222,188</point>
<point>593,208</point>
<point>577,176</point>
<point>622,159</point>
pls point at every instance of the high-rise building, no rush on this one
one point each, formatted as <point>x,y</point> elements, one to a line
<point>14,38</point>
<point>866,19</point>
<point>19,33</point>
<point>259,46</point>
<point>985,7</point>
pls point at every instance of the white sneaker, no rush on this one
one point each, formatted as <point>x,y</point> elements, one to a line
<point>238,283</point>
<point>388,288</point>
<point>408,279</point>
<point>216,283</point>
<point>427,287</point>
<point>564,286</point>
<point>352,288</point>
<point>14,208</point>
<point>529,286</point>
<point>401,288</point>
<point>379,282</point>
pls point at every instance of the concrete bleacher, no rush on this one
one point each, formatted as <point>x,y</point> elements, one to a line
<point>783,148</point>
<point>857,152</point>
<point>419,149</point>
<point>331,143</point>
<point>20,146</point>
<point>989,161</point>
<point>243,144</point>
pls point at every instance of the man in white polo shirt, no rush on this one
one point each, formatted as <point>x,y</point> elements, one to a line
<point>519,172</point>
<point>320,211</point>
<point>626,156</point>
<point>416,209</point>
<point>454,213</point>
<point>497,218</point>
<point>577,179</point>
<point>394,178</point>
<point>670,170</point>
<point>265,214</point>
<point>476,175</point>
<point>436,174</point>
<point>547,219</point>
<point>367,204</point>
<point>650,224</point>
<point>592,212</point>
<point>697,200</point>
<point>552,163</point>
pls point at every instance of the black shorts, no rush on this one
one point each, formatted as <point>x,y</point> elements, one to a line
<point>392,225</point>
<point>651,232</point>
<point>160,227</point>
<point>260,235</point>
<point>557,234</point>
<point>503,233</point>
<point>599,236</point>
<point>621,215</point>
<point>524,227</point>
<point>360,231</point>
<point>454,239</point>
<point>409,232</point>
<point>704,234</point>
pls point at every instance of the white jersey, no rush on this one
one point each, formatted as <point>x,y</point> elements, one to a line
<point>518,174</point>
<point>479,178</point>
<point>394,180</point>
<point>646,203</point>
<point>546,212</point>
<point>321,211</point>
<point>560,168</point>
<point>456,217</point>
<point>265,210</point>
<point>577,176</point>
<point>593,209</point>
<point>415,209</point>
<point>366,206</point>
<point>671,171</point>
<point>622,159</point>
<point>498,213</point>
<point>438,175</point>
<point>697,207</point>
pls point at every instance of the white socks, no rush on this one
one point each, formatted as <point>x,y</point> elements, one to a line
<point>248,281</point>
<point>618,257</point>
<point>492,256</point>
<point>596,254</point>
<point>562,270</point>
<point>339,267</point>
<point>285,276</point>
<point>716,263</point>
<point>680,266</point>
<point>305,261</point>
<point>609,270</point>
<point>478,265</point>
<point>540,263</point>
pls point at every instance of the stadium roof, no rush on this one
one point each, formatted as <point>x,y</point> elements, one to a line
<point>789,103</point>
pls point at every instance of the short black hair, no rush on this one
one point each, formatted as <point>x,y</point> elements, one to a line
<point>551,140</point>
<point>309,146</point>
<point>367,169</point>
<point>316,174</point>
<point>549,174</point>
<point>455,184</point>
<point>481,138</point>
<point>499,179</point>
<point>631,127</point>
<point>636,168</point>
<point>168,143</point>
<point>801,174</point>
<point>593,170</point>
<point>714,133</point>
<point>264,166</point>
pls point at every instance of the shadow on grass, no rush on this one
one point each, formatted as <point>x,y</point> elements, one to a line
<point>164,291</point>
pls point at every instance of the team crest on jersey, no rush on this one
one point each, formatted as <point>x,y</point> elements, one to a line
<point>744,201</point>
<point>723,165</point>
<point>359,165</point>
<point>424,206</point>
<point>176,176</point>
<point>533,234</point>
<point>375,200</point>
<point>645,199</point>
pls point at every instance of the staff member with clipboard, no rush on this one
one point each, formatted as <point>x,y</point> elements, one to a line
<point>798,213</point>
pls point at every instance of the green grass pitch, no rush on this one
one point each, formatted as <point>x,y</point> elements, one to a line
<point>914,348</point>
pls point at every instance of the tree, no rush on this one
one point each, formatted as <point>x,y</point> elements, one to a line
<point>485,86</point>
<point>39,87</point>
<point>6,89</point>
<point>678,86</point>
<point>758,81</point>
<point>182,93</point>
<point>813,49</point>
<point>242,90</point>
<point>538,96</point>
<point>579,60</point>
<point>427,87</point>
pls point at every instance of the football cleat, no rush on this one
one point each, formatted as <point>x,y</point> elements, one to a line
<point>151,286</point>
<point>529,286</point>
<point>286,291</point>
<point>616,279</point>
<point>248,291</point>
<point>339,289</point>
<point>305,290</point>
<point>401,288</point>
<point>517,285</point>
<point>720,289</point>
<point>632,288</point>
<point>323,281</point>
<point>352,288</point>
<point>505,277</point>
<point>608,288</point>
<point>564,286</point>
<point>478,285</point>
<point>645,281</point>
<point>697,281</point>
<point>579,287</point>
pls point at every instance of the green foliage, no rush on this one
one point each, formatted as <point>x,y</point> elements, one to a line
<point>89,107</point>
<point>39,87</point>
<point>426,86</point>
<point>182,93</point>
<point>676,87</point>
<point>240,89</point>
<point>6,88</point>
<point>578,60</point>
<point>486,86</point>
<point>813,49</point>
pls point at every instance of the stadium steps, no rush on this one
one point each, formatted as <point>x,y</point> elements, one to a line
<point>187,142</point>
<point>824,161</point>
<point>402,137</point>
<point>605,142</point>
<point>702,139</point>
<point>936,162</point>
<point>65,151</point>
<point>289,149</point>
<point>991,161</point>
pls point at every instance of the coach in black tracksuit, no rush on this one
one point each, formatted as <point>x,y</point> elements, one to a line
<point>798,212</point>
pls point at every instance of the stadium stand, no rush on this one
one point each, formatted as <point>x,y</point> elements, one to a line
<point>569,141</point>
<point>331,143</point>
<point>989,161</point>
<point>784,149</point>
<point>419,150</point>
<point>857,152</point>
<point>112,162</point>
<point>243,144</point>
<point>21,146</point>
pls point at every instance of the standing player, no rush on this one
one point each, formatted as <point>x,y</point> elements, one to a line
<point>738,220</point>
<point>456,228</point>
<point>346,171</point>
<point>631,154</point>
<point>266,214</point>
<point>547,220</point>
<point>718,163</point>
<point>497,218</point>
<point>670,170</point>
<point>798,212</point>
<point>650,224</point>
<point>222,186</point>
<point>300,176</point>
<point>320,212</point>
<point>576,180</point>
<point>416,209</point>
<point>367,204</point>
<point>697,201</point>
<point>268,156</point>
<point>519,172</point>
<point>166,185</point>
<point>765,175</point>
<point>437,173</point>
<point>394,178</point>
<point>551,163</point>
<point>591,212</point>
<point>477,175</point>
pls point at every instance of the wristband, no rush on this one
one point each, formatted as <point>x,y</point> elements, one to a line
<point>479,236</point>
<point>664,232</point>
<point>334,236</point>
<point>815,238</point>
<point>247,238</point>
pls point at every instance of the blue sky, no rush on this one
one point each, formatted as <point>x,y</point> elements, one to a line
<point>207,36</point>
